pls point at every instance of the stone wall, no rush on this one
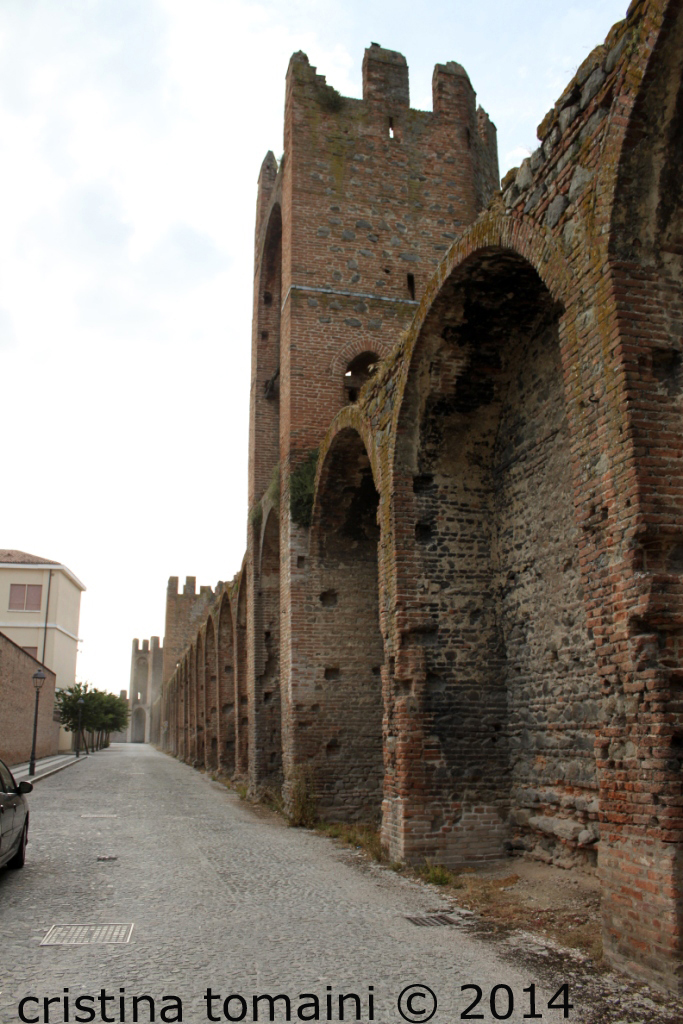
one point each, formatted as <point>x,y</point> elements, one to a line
<point>18,701</point>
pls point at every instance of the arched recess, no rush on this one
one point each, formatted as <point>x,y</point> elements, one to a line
<point>200,702</point>
<point>643,738</point>
<point>226,688</point>
<point>138,726</point>
<point>267,658</point>
<point>264,432</point>
<point>192,705</point>
<point>339,735</point>
<point>141,678</point>
<point>242,682</point>
<point>495,691</point>
<point>211,697</point>
<point>184,713</point>
<point>358,372</point>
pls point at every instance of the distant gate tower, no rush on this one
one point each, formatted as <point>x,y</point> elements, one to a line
<point>145,686</point>
<point>350,226</point>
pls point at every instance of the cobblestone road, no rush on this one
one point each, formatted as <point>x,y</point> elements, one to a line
<point>224,897</point>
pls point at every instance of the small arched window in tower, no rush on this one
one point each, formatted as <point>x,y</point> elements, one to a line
<point>357,373</point>
<point>411,285</point>
<point>391,127</point>
<point>267,298</point>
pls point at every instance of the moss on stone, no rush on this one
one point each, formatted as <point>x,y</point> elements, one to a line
<point>301,489</point>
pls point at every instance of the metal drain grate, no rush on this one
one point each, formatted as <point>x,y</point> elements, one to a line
<point>433,920</point>
<point>86,934</point>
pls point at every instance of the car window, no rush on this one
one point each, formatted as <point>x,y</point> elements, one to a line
<point>6,780</point>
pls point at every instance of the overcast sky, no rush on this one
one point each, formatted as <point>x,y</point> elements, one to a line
<point>131,137</point>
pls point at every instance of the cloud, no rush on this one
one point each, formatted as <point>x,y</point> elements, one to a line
<point>183,258</point>
<point>7,333</point>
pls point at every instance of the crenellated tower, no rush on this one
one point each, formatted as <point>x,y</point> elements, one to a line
<point>350,226</point>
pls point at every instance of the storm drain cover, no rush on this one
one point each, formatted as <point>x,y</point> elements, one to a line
<point>433,920</point>
<point>86,934</point>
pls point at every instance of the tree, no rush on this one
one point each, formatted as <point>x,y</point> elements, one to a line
<point>101,713</point>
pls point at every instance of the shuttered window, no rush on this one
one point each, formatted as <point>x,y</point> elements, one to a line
<point>25,597</point>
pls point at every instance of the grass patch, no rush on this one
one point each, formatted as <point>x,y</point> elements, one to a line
<point>301,484</point>
<point>304,811</point>
<point>329,99</point>
<point>436,874</point>
<point>273,489</point>
<point>256,514</point>
<point>364,836</point>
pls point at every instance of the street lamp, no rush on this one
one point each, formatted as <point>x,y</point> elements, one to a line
<point>79,703</point>
<point>38,680</point>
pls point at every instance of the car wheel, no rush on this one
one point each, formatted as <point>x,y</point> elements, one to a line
<point>19,858</point>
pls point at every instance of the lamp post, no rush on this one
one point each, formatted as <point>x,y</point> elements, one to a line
<point>79,703</point>
<point>38,680</point>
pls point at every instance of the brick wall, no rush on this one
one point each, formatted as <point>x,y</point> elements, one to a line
<point>18,701</point>
<point>481,628</point>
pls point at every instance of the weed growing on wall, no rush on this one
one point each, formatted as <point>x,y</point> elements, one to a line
<point>301,485</point>
<point>303,811</point>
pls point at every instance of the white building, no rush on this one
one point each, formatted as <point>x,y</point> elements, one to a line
<point>40,605</point>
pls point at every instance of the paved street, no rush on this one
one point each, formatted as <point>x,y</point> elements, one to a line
<point>224,896</point>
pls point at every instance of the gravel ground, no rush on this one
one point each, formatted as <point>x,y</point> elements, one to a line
<point>226,897</point>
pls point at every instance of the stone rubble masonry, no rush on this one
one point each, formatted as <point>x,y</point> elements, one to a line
<point>18,702</point>
<point>475,639</point>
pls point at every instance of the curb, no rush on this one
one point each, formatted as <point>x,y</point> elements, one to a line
<point>53,771</point>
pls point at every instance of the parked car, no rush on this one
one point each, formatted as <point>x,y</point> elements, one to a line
<point>13,819</point>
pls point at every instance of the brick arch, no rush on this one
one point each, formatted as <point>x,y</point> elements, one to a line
<point>265,368</point>
<point>351,417</point>
<point>486,561</point>
<point>226,686</point>
<point>355,347</point>
<point>646,640</point>
<point>211,696</point>
<point>649,79</point>
<point>493,231</point>
<point>266,760</point>
<point>191,753</point>
<point>200,700</point>
<point>342,743</point>
<point>241,677</point>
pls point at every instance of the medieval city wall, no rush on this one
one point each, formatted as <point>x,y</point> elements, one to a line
<point>459,607</point>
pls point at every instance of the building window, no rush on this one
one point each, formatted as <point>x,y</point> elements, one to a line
<point>25,597</point>
<point>33,651</point>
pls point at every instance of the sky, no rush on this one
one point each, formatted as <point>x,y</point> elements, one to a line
<point>131,137</point>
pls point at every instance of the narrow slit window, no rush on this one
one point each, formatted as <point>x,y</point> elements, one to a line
<point>391,127</point>
<point>411,285</point>
<point>267,298</point>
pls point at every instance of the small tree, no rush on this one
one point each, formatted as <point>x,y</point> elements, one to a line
<point>101,713</point>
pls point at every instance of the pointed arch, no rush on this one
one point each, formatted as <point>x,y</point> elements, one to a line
<point>487,556</point>
<point>267,757</point>
<point>242,682</point>
<point>339,732</point>
<point>211,696</point>
<point>226,687</point>
<point>200,702</point>
<point>264,432</point>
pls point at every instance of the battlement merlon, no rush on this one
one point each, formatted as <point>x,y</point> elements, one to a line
<point>385,77</point>
<point>386,85</point>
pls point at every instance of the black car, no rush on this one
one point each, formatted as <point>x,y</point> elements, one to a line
<point>13,819</point>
